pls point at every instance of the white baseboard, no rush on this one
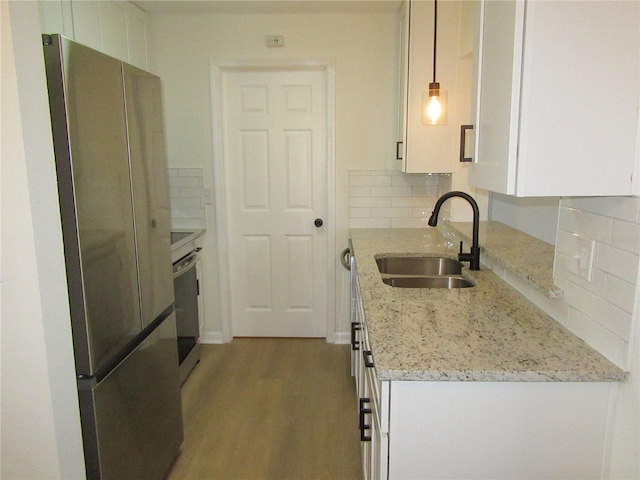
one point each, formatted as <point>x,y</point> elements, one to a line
<point>342,338</point>
<point>211,337</point>
<point>339,338</point>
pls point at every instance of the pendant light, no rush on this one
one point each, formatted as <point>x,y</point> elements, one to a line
<point>434,99</point>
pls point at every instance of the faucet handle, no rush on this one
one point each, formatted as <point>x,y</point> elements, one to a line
<point>460,246</point>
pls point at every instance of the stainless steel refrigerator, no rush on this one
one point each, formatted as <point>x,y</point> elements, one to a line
<point>109,144</point>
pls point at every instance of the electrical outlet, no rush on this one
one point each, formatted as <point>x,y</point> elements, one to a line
<point>582,261</point>
<point>274,41</point>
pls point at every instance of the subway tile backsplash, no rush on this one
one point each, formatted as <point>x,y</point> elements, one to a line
<point>391,199</point>
<point>600,311</point>
<point>186,194</point>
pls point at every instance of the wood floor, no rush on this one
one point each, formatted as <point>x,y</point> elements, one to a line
<point>264,408</point>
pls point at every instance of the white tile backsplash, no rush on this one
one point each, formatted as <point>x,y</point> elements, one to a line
<point>357,202</point>
<point>617,262</point>
<point>391,191</point>
<point>391,199</point>
<point>186,194</point>
<point>370,181</point>
<point>620,293</point>
<point>600,311</point>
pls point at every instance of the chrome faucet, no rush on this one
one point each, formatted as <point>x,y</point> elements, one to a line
<point>474,256</point>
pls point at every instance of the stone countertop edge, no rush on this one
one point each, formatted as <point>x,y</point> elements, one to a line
<point>488,333</point>
<point>522,255</point>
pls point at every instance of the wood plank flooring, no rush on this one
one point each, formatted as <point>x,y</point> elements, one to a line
<point>262,408</point>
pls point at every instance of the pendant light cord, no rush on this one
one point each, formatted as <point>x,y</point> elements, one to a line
<point>435,36</point>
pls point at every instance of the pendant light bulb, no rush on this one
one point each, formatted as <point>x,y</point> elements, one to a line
<point>434,100</point>
<point>434,107</point>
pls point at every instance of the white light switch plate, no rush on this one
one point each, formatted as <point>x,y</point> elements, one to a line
<point>582,262</point>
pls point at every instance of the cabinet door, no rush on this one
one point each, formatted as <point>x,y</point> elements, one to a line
<point>360,336</point>
<point>379,450</point>
<point>430,148</point>
<point>579,103</point>
<point>113,29</point>
<point>403,76</point>
<point>499,56</point>
<point>557,108</point>
<point>86,23</point>
<point>55,17</point>
<point>137,36</point>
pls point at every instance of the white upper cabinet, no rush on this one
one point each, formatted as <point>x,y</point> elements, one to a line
<point>403,77</point>
<point>55,17</point>
<point>137,37</point>
<point>557,97</point>
<point>112,27</point>
<point>428,148</point>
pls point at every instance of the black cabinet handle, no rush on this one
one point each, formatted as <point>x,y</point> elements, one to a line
<point>398,151</point>
<point>355,344</point>
<point>363,425</point>
<point>463,142</point>
<point>368,358</point>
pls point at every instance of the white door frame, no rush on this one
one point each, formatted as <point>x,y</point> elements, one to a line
<point>217,68</point>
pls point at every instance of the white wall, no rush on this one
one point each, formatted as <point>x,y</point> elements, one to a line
<point>537,216</point>
<point>40,417</point>
<point>364,47</point>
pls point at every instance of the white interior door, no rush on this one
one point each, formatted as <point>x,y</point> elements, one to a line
<point>275,150</point>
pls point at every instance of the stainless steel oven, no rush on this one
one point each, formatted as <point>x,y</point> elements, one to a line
<point>187,290</point>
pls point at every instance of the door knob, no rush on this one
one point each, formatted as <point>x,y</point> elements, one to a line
<point>318,222</point>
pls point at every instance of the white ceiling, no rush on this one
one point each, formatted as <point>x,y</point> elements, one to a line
<point>170,7</point>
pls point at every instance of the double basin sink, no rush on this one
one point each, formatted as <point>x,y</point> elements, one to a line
<point>413,271</point>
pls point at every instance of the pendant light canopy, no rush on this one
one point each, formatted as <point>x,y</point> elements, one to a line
<point>434,100</point>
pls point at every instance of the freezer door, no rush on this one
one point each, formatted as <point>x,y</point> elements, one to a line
<point>90,140</point>
<point>132,419</point>
<point>150,189</point>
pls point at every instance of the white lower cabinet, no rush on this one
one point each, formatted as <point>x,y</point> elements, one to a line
<point>373,395</point>
<point>373,408</point>
<point>476,430</point>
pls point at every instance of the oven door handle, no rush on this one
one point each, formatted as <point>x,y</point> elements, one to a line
<point>186,264</point>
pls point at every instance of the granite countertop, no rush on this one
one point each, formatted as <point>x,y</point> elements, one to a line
<point>524,256</point>
<point>485,333</point>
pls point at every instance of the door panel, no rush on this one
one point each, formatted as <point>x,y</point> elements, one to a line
<point>132,420</point>
<point>275,140</point>
<point>150,190</point>
<point>255,169</point>
<point>300,268</point>
<point>299,169</point>
<point>258,272</point>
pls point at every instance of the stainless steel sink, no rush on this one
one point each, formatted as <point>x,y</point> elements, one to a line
<point>414,265</point>
<point>422,272</point>
<point>444,281</point>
